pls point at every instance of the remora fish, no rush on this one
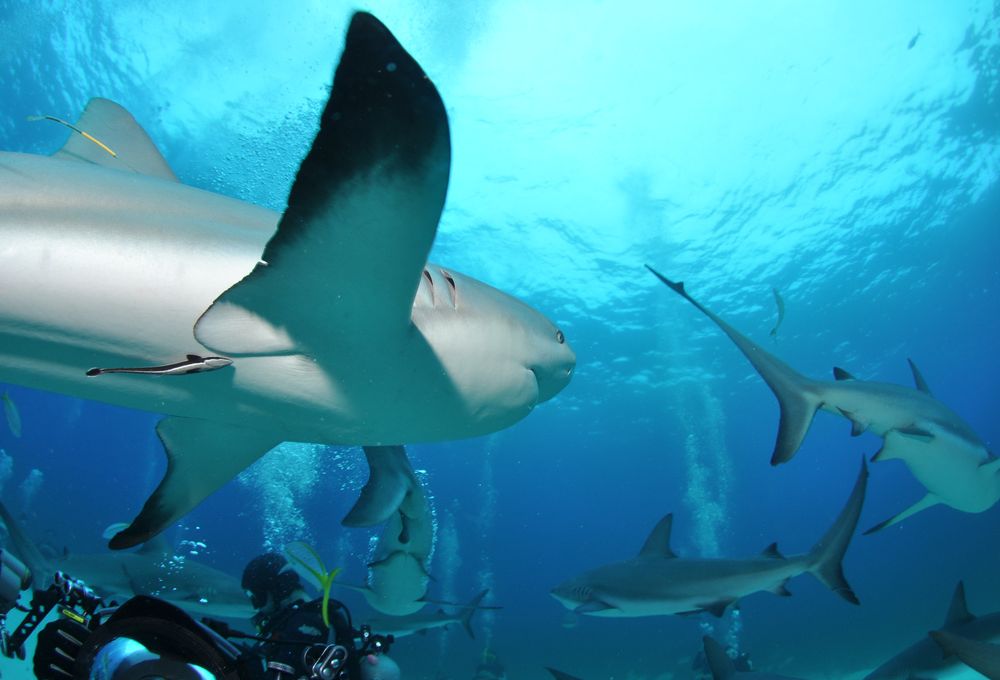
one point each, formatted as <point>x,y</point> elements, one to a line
<point>940,449</point>
<point>339,330</point>
<point>657,582</point>
<point>192,586</point>
<point>924,659</point>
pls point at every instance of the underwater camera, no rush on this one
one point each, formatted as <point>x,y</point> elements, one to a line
<point>149,638</point>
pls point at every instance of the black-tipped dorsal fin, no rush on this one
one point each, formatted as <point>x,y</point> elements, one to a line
<point>121,143</point>
<point>958,612</point>
<point>772,552</point>
<point>918,378</point>
<point>658,542</point>
<point>841,374</point>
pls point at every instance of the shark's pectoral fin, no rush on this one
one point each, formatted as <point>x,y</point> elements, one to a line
<point>781,589</point>
<point>106,134</point>
<point>350,249</point>
<point>593,606</point>
<point>718,608</point>
<point>390,481</point>
<point>928,501</point>
<point>201,456</point>
<point>797,411</point>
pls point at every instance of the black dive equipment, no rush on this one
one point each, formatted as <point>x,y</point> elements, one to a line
<point>148,638</point>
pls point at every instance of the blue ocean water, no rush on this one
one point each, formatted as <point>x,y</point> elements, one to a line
<point>846,154</point>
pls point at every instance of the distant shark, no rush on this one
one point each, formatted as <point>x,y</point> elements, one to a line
<point>657,582</point>
<point>723,668</point>
<point>941,450</point>
<point>192,586</point>
<point>421,622</point>
<point>323,324</point>
<point>925,660</point>
<point>981,657</point>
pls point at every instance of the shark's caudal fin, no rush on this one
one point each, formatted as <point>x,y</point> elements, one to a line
<point>559,675</point>
<point>42,569</point>
<point>106,134</point>
<point>201,456</point>
<point>719,663</point>
<point>828,554</point>
<point>470,610</point>
<point>390,481</point>
<point>797,399</point>
<point>364,206</point>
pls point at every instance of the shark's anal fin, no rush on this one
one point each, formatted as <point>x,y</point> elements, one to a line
<point>202,455</point>
<point>390,481</point>
<point>362,213</point>
<point>928,501</point>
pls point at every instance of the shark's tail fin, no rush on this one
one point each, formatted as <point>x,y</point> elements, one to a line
<point>826,556</point>
<point>470,611</point>
<point>797,394</point>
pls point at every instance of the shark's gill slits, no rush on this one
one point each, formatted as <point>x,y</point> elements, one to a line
<point>451,288</point>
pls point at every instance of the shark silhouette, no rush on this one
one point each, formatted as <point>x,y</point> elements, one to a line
<point>323,324</point>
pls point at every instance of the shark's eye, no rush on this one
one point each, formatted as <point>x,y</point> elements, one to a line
<point>560,338</point>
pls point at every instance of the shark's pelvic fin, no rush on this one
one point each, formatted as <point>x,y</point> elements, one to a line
<point>362,213</point>
<point>719,663</point>
<point>857,426</point>
<point>827,555</point>
<point>918,378</point>
<point>117,130</point>
<point>390,481</point>
<point>928,501</point>
<point>195,469</point>
<point>958,611</point>
<point>658,542</point>
<point>716,609</point>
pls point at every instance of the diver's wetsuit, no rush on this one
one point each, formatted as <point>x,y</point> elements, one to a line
<point>302,622</point>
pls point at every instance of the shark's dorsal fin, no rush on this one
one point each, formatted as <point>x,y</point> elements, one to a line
<point>918,378</point>
<point>772,552</point>
<point>658,542</point>
<point>841,374</point>
<point>116,130</point>
<point>364,209</point>
<point>958,611</point>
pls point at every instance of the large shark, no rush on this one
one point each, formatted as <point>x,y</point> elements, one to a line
<point>152,570</point>
<point>981,657</point>
<point>421,622</point>
<point>941,450</point>
<point>723,668</point>
<point>324,324</point>
<point>924,658</point>
<point>657,582</point>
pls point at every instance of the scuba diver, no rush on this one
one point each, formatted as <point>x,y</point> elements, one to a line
<point>286,621</point>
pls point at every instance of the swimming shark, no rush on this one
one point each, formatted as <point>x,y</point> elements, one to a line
<point>338,329</point>
<point>940,449</point>
<point>151,570</point>
<point>723,668</point>
<point>657,582</point>
<point>421,622</point>
<point>981,657</point>
<point>924,659</point>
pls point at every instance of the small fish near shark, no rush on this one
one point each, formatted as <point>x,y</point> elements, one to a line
<point>657,582</point>
<point>924,659</point>
<point>338,329</point>
<point>940,449</point>
<point>421,622</point>
<point>195,587</point>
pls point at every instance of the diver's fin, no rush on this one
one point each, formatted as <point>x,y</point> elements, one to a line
<point>826,557</point>
<point>958,611</point>
<point>351,247</point>
<point>390,481</point>
<point>201,456</point>
<point>115,130</point>
<point>658,542</point>
<point>719,663</point>
<point>918,378</point>
<point>928,501</point>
